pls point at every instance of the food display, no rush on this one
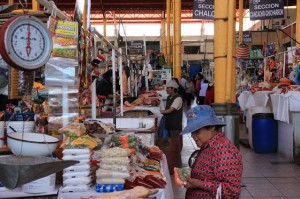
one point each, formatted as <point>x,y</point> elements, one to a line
<point>76,137</point>
<point>113,169</point>
<point>130,142</point>
<point>151,98</point>
<point>78,177</point>
<point>98,127</point>
<point>136,192</point>
<point>262,86</point>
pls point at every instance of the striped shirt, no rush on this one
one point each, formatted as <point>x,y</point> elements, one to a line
<point>219,162</point>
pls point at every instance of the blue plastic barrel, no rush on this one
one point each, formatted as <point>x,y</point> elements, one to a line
<point>264,133</point>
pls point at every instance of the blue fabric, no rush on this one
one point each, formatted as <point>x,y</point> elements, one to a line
<point>162,131</point>
<point>199,117</point>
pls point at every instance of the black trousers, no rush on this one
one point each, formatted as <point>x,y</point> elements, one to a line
<point>200,100</point>
<point>189,97</point>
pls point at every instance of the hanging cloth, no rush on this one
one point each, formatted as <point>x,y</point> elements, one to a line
<point>242,51</point>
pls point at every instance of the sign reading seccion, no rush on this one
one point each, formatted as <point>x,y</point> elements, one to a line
<point>266,9</point>
<point>204,9</point>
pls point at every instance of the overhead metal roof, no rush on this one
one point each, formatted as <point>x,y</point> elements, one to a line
<point>133,11</point>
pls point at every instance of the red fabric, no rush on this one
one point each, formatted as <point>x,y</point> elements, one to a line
<point>99,56</point>
<point>219,162</point>
<point>210,96</point>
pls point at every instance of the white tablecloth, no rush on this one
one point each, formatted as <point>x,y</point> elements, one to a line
<point>18,193</point>
<point>155,110</point>
<point>283,104</point>
<point>248,99</point>
<point>166,193</point>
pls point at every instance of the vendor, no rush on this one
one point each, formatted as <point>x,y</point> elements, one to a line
<point>105,88</point>
<point>173,123</point>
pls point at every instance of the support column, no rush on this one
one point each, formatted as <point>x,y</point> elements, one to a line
<point>298,24</point>
<point>172,57</point>
<point>220,49</point>
<point>241,20</point>
<point>163,38</point>
<point>104,30</point>
<point>224,50</point>
<point>177,36</point>
<point>168,32</point>
<point>35,5</point>
<point>230,65</point>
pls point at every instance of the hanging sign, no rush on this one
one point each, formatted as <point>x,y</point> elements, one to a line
<point>162,74</point>
<point>136,47</point>
<point>247,37</point>
<point>204,9</point>
<point>266,9</point>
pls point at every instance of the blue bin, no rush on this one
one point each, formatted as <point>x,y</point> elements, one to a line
<point>264,133</point>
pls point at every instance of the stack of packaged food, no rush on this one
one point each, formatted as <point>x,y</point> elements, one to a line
<point>113,169</point>
<point>77,178</point>
<point>76,137</point>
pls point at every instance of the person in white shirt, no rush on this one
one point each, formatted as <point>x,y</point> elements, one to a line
<point>189,91</point>
<point>202,92</point>
<point>183,81</point>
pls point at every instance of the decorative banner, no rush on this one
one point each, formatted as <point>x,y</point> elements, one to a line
<point>266,9</point>
<point>247,37</point>
<point>204,9</point>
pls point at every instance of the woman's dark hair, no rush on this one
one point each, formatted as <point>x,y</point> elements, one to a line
<point>107,75</point>
<point>217,128</point>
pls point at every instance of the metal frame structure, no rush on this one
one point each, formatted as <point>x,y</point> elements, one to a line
<point>130,11</point>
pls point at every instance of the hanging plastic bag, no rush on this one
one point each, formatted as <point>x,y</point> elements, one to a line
<point>162,131</point>
<point>52,21</point>
<point>65,40</point>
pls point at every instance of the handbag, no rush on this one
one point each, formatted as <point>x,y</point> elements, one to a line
<point>162,131</point>
<point>219,192</point>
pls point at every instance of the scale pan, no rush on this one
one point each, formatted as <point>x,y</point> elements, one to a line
<point>18,170</point>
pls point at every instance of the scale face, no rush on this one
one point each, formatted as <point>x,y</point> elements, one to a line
<point>25,42</point>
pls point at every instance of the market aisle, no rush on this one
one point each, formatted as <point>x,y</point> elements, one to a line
<point>265,176</point>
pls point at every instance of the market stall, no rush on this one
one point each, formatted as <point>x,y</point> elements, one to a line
<point>286,110</point>
<point>251,103</point>
<point>166,193</point>
<point>66,120</point>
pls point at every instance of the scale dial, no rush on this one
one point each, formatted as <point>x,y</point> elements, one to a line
<point>25,42</point>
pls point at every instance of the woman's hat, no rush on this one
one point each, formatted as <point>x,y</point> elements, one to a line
<point>172,83</point>
<point>199,117</point>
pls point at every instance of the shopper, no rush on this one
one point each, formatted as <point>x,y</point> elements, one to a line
<point>202,92</point>
<point>183,81</point>
<point>210,94</point>
<point>189,91</point>
<point>173,123</point>
<point>217,163</point>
